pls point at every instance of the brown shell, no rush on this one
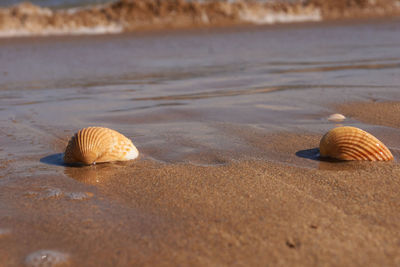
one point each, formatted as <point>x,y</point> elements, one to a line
<point>351,143</point>
<point>98,144</point>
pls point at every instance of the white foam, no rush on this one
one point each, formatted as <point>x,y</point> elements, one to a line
<point>252,15</point>
<point>62,31</point>
<point>268,17</point>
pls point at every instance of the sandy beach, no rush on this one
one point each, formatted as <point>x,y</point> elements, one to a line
<point>227,121</point>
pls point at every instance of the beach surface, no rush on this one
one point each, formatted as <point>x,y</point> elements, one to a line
<point>227,122</point>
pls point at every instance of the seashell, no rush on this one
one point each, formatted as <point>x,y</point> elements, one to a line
<point>336,117</point>
<point>97,144</point>
<point>351,143</point>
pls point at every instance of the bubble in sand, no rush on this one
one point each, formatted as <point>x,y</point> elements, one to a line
<point>336,117</point>
<point>47,258</point>
<point>44,193</point>
<point>52,193</point>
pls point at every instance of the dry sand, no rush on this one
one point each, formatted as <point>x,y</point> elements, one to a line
<point>292,210</point>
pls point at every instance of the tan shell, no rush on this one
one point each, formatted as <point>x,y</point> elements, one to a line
<point>98,144</point>
<point>351,143</point>
<point>336,117</point>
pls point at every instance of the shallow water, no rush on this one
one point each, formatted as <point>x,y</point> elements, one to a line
<point>206,97</point>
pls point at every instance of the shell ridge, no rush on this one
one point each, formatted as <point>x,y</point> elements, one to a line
<point>366,154</point>
<point>355,154</point>
<point>81,145</point>
<point>369,147</point>
<point>90,145</point>
<point>104,140</point>
<point>85,144</point>
<point>368,141</point>
<point>349,155</point>
<point>80,139</point>
<point>98,137</point>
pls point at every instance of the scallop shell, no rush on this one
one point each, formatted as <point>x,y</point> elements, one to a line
<point>97,144</point>
<point>351,143</point>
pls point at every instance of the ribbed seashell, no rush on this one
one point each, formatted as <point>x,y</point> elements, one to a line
<point>351,143</point>
<point>97,144</point>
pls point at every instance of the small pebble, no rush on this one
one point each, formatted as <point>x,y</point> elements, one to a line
<point>336,117</point>
<point>293,243</point>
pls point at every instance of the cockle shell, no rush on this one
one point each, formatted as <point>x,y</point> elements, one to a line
<point>97,144</point>
<point>351,143</point>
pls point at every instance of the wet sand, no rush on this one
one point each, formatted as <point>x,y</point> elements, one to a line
<point>362,111</point>
<point>229,172</point>
<point>303,212</point>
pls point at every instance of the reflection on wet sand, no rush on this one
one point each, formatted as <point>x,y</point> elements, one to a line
<point>98,173</point>
<point>345,67</point>
<point>328,164</point>
<point>248,91</point>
